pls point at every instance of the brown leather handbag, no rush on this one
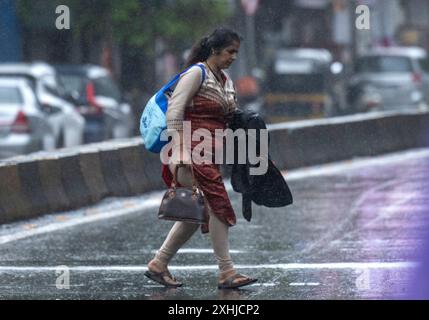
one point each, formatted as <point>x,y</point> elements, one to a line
<point>183,204</point>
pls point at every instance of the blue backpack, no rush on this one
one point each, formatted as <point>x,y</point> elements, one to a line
<point>153,120</point>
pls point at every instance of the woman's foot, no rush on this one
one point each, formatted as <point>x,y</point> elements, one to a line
<point>160,274</point>
<point>234,280</point>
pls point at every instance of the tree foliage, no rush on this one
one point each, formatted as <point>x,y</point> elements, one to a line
<point>135,23</point>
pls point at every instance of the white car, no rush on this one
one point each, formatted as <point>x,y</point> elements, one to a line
<point>23,125</point>
<point>67,123</point>
<point>395,78</point>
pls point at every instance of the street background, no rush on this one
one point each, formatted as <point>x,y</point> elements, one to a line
<point>343,84</point>
<point>143,42</point>
<point>363,244</point>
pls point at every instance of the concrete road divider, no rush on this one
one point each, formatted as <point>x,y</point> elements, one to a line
<point>114,173</point>
<point>133,158</point>
<point>73,182</point>
<point>13,201</point>
<point>67,179</point>
<point>51,179</point>
<point>313,142</point>
<point>92,172</point>
<point>31,187</point>
<point>152,165</point>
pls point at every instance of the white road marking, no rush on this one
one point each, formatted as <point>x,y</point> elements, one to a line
<point>284,266</point>
<point>304,283</point>
<point>265,284</point>
<point>155,197</point>
<point>195,250</point>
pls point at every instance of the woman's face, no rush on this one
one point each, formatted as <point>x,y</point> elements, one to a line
<point>227,55</point>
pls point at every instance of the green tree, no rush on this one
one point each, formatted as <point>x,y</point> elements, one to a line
<point>133,25</point>
<point>133,22</point>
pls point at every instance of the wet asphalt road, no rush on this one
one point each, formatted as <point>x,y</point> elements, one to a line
<point>353,233</point>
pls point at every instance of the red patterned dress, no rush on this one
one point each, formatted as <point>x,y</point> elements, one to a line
<point>210,109</point>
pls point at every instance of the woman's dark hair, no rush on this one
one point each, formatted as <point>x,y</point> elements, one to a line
<point>218,40</point>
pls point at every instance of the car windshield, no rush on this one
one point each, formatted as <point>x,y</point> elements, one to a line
<point>10,95</point>
<point>424,64</point>
<point>384,64</point>
<point>104,86</point>
<point>294,66</point>
<point>73,83</point>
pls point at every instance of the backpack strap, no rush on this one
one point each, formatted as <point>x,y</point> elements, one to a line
<point>203,69</point>
<point>161,92</point>
<point>176,78</point>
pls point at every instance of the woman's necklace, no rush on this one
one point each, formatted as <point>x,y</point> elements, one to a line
<point>216,76</point>
<point>222,88</point>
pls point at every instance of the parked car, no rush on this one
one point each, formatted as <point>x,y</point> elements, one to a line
<point>390,79</point>
<point>299,83</point>
<point>67,123</point>
<point>99,100</point>
<point>24,127</point>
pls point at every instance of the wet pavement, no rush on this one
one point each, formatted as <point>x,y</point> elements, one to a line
<point>353,232</point>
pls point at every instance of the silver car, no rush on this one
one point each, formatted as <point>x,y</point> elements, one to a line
<point>390,79</point>
<point>67,123</point>
<point>99,100</point>
<point>24,128</point>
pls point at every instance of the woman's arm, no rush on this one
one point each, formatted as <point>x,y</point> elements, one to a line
<point>185,90</point>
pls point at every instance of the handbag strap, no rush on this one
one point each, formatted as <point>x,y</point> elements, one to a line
<point>174,182</point>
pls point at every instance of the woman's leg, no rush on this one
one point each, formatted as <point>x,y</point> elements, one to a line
<point>219,236</point>
<point>179,234</point>
<point>220,242</point>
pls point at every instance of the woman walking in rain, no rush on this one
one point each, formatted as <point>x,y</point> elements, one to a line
<point>207,102</point>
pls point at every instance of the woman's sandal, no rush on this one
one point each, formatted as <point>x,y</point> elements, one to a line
<point>161,277</point>
<point>230,284</point>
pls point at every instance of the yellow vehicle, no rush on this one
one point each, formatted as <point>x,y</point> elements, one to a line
<point>299,85</point>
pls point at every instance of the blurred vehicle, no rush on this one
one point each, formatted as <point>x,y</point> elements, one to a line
<point>389,79</point>
<point>67,123</point>
<point>24,127</point>
<point>248,94</point>
<point>99,100</point>
<point>300,84</point>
